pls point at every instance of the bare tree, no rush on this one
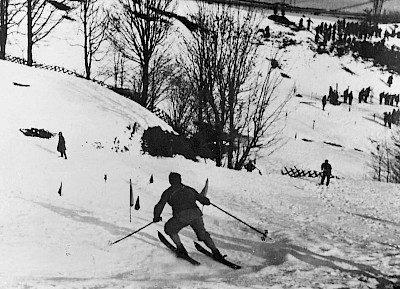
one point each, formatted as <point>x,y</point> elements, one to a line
<point>94,31</point>
<point>377,160</point>
<point>220,59</point>
<point>42,18</point>
<point>236,59</point>
<point>115,68</point>
<point>182,103</point>
<point>259,116</point>
<point>395,149</point>
<point>161,70</point>
<point>385,158</point>
<point>138,32</point>
<point>8,11</point>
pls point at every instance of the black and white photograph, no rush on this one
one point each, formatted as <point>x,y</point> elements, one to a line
<point>191,144</point>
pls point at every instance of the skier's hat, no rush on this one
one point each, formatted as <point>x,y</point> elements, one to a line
<point>174,178</point>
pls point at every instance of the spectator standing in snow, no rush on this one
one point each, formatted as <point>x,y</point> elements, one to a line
<point>185,213</point>
<point>301,23</point>
<point>326,169</point>
<point>385,118</point>
<point>309,21</point>
<point>323,102</point>
<point>350,97</point>
<point>61,145</point>
<point>276,9</point>
<point>390,80</point>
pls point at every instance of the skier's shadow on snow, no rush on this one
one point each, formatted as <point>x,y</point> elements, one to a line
<point>276,253</point>
<point>84,216</point>
<point>272,253</point>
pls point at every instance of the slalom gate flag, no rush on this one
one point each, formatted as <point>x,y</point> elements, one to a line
<point>131,193</point>
<point>137,205</point>
<point>204,191</point>
<point>59,190</point>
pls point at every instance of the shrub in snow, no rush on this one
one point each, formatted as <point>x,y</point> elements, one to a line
<point>159,143</point>
<point>34,132</point>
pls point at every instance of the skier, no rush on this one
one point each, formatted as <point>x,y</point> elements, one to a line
<point>61,145</point>
<point>326,172</point>
<point>185,213</point>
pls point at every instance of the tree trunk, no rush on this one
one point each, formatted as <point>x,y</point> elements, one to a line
<point>144,101</point>
<point>3,28</point>
<point>30,34</point>
<point>86,39</point>
<point>231,104</point>
<point>219,144</point>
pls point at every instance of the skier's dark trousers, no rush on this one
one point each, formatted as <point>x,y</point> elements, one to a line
<point>326,172</point>
<point>185,213</point>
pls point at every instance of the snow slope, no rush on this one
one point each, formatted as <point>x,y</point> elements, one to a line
<point>342,236</point>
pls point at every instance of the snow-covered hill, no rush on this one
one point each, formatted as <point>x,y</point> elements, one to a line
<point>342,236</point>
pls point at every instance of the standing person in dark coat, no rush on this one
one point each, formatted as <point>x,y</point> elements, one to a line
<point>61,145</point>
<point>323,102</point>
<point>301,23</point>
<point>309,21</point>
<point>350,97</point>
<point>326,172</point>
<point>390,80</point>
<point>185,213</point>
<point>385,118</point>
<point>276,9</point>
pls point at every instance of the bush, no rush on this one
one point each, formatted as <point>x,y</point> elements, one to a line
<point>159,143</point>
<point>34,132</point>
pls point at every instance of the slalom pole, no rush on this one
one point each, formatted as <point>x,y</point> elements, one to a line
<point>112,243</point>
<point>263,234</point>
<point>259,171</point>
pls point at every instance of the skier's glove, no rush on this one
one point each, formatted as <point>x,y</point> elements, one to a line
<point>206,201</point>
<point>157,219</point>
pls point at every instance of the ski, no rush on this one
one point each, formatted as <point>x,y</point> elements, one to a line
<point>173,249</point>
<point>209,254</point>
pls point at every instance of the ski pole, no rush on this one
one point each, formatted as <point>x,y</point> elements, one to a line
<point>112,243</point>
<point>263,234</point>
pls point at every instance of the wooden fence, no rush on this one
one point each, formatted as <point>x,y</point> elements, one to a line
<point>158,112</point>
<point>297,173</point>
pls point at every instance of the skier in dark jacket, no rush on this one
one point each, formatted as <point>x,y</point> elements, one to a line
<point>61,145</point>
<point>326,172</point>
<point>185,213</point>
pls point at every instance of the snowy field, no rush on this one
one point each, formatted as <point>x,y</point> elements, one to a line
<point>346,235</point>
